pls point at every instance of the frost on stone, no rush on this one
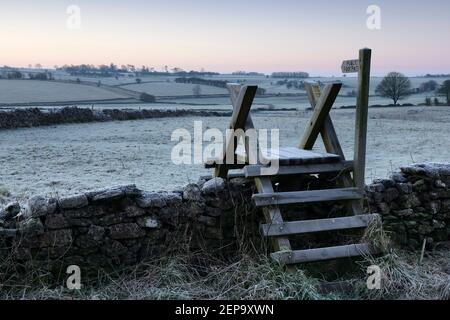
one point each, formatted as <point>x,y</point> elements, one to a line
<point>214,186</point>
<point>430,170</point>
<point>113,193</point>
<point>73,202</point>
<point>39,206</point>
<point>151,223</point>
<point>151,199</point>
<point>11,210</point>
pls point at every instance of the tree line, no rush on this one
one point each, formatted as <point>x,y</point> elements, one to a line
<point>113,70</point>
<point>284,75</point>
<point>17,75</point>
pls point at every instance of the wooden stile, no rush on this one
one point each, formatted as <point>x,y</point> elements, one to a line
<point>303,161</point>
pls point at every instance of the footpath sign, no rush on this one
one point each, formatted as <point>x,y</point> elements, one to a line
<point>350,66</point>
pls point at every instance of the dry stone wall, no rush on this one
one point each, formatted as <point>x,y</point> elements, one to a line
<point>414,204</point>
<point>35,117</point>
<point>117,227</point>
<point>121,226</point>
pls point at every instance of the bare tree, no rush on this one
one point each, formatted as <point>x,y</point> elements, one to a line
<point>197,90</point>
<point>428,86</point>
<point>395,86</point>
<point>444,90</point>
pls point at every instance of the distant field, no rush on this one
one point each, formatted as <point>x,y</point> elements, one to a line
<point>173,89</point>
<point>349,83</point>
<point>14,91</point>
<point>24,91</point>
<point>294,102</point>
<point>112,81</point>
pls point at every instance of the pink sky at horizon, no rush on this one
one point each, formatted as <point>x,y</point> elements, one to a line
<point>262,36</point>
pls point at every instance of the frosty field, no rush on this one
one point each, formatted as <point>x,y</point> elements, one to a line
<point>66,159</point>
<point>168,91</point>
<point>21,91</point>
<point>173,89</point>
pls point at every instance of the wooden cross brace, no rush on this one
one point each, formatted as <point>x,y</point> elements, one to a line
<point>242,99</point>
<point>321,123</point>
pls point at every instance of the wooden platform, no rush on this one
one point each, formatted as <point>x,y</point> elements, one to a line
<point>291,156</point>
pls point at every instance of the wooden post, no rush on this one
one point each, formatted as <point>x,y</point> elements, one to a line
<point>362,111</point>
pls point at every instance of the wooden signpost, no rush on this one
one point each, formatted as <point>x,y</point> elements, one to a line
<point>362,67</point>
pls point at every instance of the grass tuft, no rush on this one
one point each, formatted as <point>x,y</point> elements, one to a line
<point>404,278</point>
<point>4,192</point>
<point>377,237</point>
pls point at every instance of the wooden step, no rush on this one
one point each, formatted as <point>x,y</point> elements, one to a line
<point>254,171</point>
<point>310,226</point>
<point>321,254</point>
<point>298,197</point>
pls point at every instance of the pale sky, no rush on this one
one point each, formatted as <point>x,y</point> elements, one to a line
<point>252,35</point>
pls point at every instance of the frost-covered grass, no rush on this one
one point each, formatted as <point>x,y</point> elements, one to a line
<point>12,91</point>
<point>73,158</point>
<point>403,277</point>
<point>180,277</point>
<point>25,91</point>
<point>4,192</point>
<point>174,89</point>
<point>246,277</point>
